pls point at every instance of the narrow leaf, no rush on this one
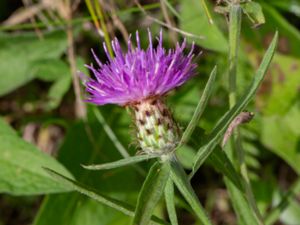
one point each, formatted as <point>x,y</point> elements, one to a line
<point>83,189</point>
<point>119,163</point>
<point>180,179</point>
<point>240,204</point>
<point>222,163</point>
<point>221,127</point>
<point>200,107</point>
<point>170,203</point>
<point>151,192</point>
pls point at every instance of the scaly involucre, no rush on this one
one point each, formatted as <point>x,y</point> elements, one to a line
<point>139,74</point>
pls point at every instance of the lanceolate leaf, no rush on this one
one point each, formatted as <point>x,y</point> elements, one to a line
<point>83,189</point>
<point>181,180</point>
<point>222,125</point>
<point>241,205</point>
<point>119,163</point>
<point>200,107</point>
<point>18,62</point>
<point>151,192</point>
<point>223,164</point>
<point>170,203</point>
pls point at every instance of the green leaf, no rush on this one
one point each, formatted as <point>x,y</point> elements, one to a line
<point>56,92</point>
<point>151,192</point>
<point>221,162</point>
<point>119,163</point>
<point>200,107</point>
<point>278,136</point>
<point>58,72</point>
<point>194,20</point>
<point>240,205</point>
<point>83,189</point>
<point>170,203</point>
<point>50,70</point>
<point>18,61</point>
<point>186,155</point>
<point>21,165</point>
<point>181,181</point>
<point>222,125</point>
<point>85,211</point>
<point>5,129</point>
<point>254,12</point>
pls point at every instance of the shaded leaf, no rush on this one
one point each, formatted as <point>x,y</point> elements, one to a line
<point>21,165</point>
<point>182,183</point>
<point>18,61</point>
<point>194,20</point>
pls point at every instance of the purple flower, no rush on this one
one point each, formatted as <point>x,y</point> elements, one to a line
<point>139,74</point>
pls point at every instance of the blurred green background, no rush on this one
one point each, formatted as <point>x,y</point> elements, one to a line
<point>42,43</point>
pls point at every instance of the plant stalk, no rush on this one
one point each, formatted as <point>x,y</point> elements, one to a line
<point>235,20</point>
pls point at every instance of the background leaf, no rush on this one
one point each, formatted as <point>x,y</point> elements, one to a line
<point>21,165</point>
<point>19,64</point>
<point>194,20</point>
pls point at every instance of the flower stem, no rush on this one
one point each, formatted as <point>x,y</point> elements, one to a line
<point>235,19</point>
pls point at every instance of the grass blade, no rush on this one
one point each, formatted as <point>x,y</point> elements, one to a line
<point>170,203</point>
<point>200,107</point>
<point>119,163</point>
<point>113,203</point>
<point>219,130</point>
<point>180,179</point>
<point>151,192</point>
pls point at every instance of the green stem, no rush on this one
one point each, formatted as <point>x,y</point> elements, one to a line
<point>235,19</point>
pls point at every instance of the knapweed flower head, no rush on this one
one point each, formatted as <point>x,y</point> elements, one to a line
<point>138,74</point>
<point>139,79</point>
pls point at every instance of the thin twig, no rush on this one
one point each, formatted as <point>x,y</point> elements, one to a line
<point>80,107</point>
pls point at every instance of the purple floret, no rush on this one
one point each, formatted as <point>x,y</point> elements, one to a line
<point>139,74</point>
